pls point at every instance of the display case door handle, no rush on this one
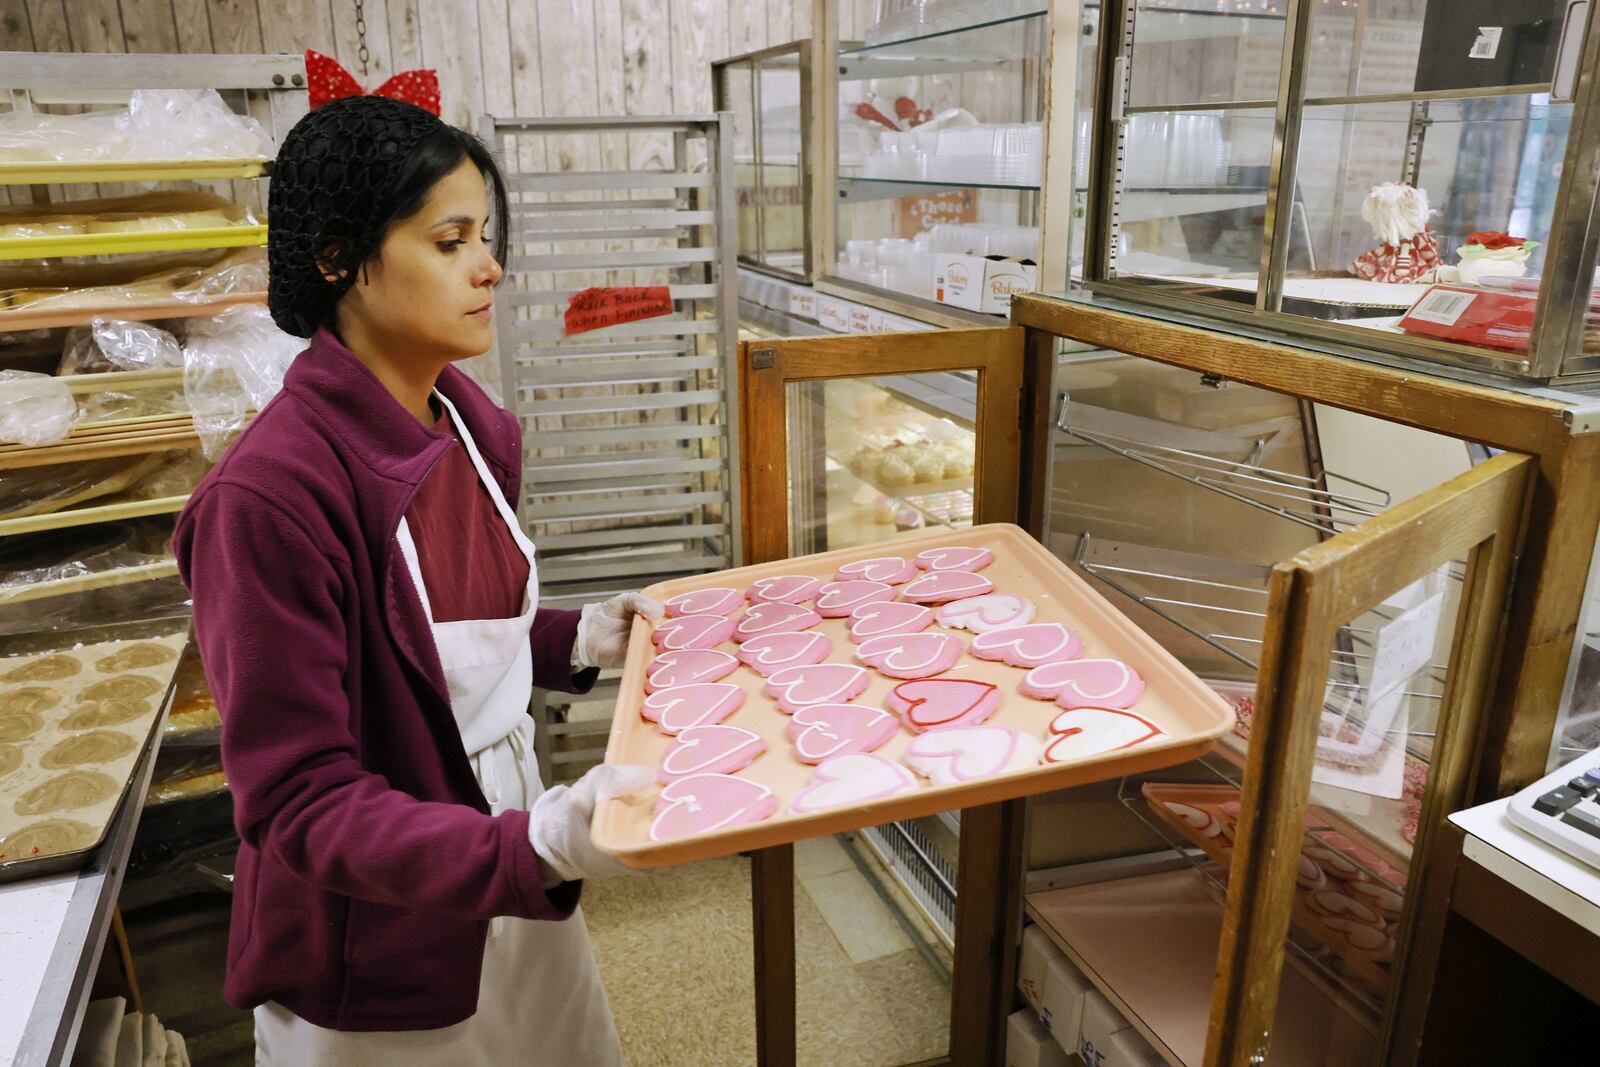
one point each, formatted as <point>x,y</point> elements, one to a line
<point>1569,51</point>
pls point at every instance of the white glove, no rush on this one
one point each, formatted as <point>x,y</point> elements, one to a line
<point>603,629</point>
<point>558,827</point>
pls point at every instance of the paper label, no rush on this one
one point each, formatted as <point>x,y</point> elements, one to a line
<point>1373,763</point>
<point>803,304</point>
<point>594,309</point>
<point>1488,42</point>
<point>1404,647</point>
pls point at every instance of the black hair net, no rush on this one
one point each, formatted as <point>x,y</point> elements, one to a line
<point>333,188</point>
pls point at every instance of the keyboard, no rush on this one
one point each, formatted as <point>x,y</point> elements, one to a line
<point>1563,808</point>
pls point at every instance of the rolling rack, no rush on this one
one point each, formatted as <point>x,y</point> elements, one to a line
<point>630,430</point>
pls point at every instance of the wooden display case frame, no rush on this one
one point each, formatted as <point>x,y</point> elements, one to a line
<point>1525,521</point>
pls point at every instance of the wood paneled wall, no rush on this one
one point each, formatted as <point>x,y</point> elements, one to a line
<point>506,57</point>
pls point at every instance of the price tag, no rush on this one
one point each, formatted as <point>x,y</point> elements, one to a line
<point>803,304</point>
<point>1404,647</point>
<point>594,309</point>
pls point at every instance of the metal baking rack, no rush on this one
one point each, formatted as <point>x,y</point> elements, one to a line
<point>1207,459</point>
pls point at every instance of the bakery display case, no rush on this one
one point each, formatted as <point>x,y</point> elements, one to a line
<point>1381,175</point>
<point>769,95</point>
<point>940,135</point>
<point>1237,498</point>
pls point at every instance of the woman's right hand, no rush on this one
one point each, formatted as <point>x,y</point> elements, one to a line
<point>558,828</point>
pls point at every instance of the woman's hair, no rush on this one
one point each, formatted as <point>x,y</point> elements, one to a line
<point>344,175</point>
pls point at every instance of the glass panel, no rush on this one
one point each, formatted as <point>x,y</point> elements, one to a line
<point>1486,166</point>
<point>1192,200</point>
<point>940,145</point>
<point>1578,728</point>
<point>783,206</point>
<point>871,459</point>
<point>738,96</point>
<point>1206,52</point>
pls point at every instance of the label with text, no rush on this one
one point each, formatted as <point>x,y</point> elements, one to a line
<point>594,309</point>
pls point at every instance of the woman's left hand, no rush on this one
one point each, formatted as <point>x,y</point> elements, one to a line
<point>603,629</point>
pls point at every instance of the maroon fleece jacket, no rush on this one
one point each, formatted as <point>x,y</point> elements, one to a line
<point>369,865</point>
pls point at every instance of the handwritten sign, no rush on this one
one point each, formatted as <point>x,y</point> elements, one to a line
<point>593,309</point>
<point>1404,647</point>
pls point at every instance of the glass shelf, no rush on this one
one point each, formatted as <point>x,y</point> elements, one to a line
<point>920,46</point>
<point>880,188</point>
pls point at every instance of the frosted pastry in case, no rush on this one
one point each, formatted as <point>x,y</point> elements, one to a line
<point>1028,646</point>
<point>1202,822</point>
<point>934,702</point>
<point>954,558</point>
<point>773,652</point>
<point>705,602</point>
<point>890,570</point>
<point>774,618</point>
<point>691,631</point>
<point>839,599</point>
<point>702,803</point>
<point>1084,683</point>
<point>981,614</point>
<point>937,587</point>
<point>822,731</point>
<point>955,754</point>
<point>1083,732</point>
<point>783,589</point>
<point>821,683</point>
<point>848,781</point>
<point>1332,903</point>
<point>688,667</point>
<point>711,749</point>
<point>1384,899</point>
<point>682,706</point>
<point>910,655</point>
<point>895,617</point>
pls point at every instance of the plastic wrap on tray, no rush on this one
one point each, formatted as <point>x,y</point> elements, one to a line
<point>162,211</point>
<point>27,560</point>
<point>50,488</point>
<point>35,409</point>
<point>164,278</point>
<point>234,363</point>
<point>150,599</point>
<point>31,350</point>
<point>118,344</point>
<point>157,124</point>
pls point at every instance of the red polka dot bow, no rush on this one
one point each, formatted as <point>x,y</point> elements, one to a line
<point>326,80</point>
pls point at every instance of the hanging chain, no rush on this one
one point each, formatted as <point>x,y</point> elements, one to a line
<point>361,35</point>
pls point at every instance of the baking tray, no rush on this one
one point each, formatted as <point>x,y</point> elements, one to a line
<point>58,712</point>
<point>1368,964</point>
<point>1190,713</point>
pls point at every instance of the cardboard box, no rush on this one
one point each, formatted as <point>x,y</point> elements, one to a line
<point>982,283</point>
<point>1494,318</point>
<point>1061,1004</point>
<point>1130,1049</point>
<point>1099,1023</point>
<point>1028,1044</point>
<point>1036,951</point>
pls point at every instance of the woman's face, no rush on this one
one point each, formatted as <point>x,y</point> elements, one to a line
<point>428,292</point>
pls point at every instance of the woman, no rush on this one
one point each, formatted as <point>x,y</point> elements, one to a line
<point>367,610</point>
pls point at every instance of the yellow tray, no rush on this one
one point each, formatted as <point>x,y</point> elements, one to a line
<point>1190,713</point>
<point>64,173</point>
<point>110,244</point>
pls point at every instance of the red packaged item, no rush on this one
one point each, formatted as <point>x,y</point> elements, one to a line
<point>1498,317</point>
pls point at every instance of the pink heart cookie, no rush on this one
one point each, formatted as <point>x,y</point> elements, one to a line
<point>955,558</point>
<point>710,749</point>
<point>1201,822</point>
<point>1084,683</point>
<point>839,599</point>
<point>982,614</point>
<point>692,631</point>
<point>936,587</point>
<point>957,754</point>
<point>933,702</point>
<point>702,704</point>
<point>845,781</point>
<point>774,618</point>
<point>820,683</point>
<point>894,617</point>
<point>910,655</point>
<point>1083,732</point>
<point>773,652</point>
<point>702,803</point>
<point>783,589</point>
<point>890,570</point>
<point>1028,646</point>
<point>822,731</point>
<point>688,667</point>
<point>722,602</point>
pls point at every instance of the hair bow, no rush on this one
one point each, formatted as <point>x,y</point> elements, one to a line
<point>326,80</point>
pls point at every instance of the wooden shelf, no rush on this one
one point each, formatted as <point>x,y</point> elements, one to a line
<point>65,519</point>
<point>54,172</point>
<point>111,244</point>
<point>27,317</point>
<point>123,437</point>
<point>80,583</point>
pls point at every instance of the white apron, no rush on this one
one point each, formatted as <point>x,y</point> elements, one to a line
<point>540,1000</point>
